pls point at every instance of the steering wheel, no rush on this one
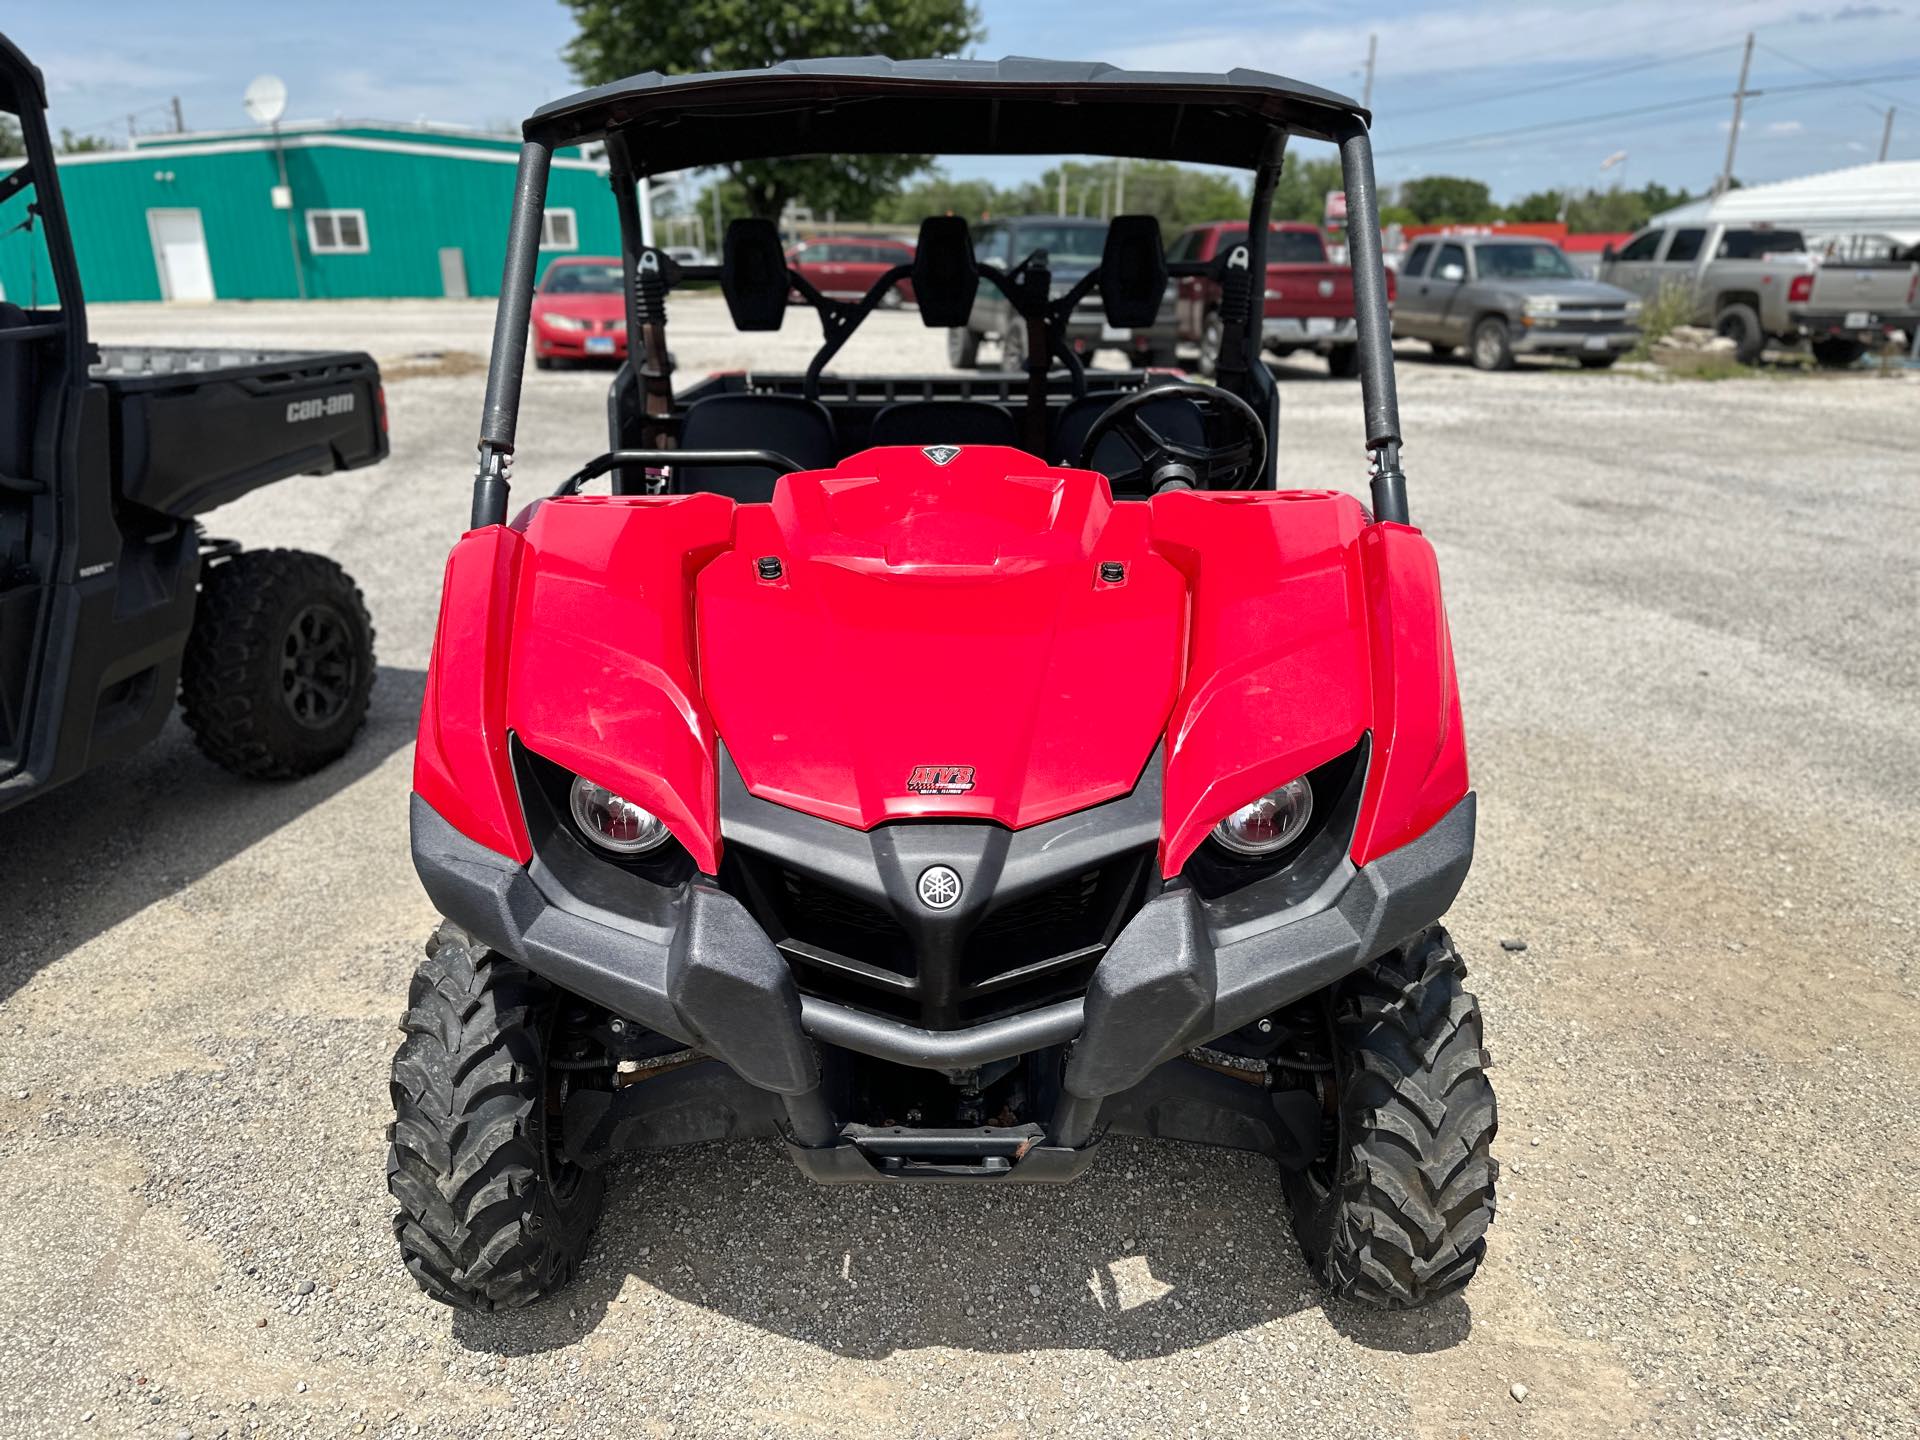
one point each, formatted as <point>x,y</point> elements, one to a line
<point>1163,463</point>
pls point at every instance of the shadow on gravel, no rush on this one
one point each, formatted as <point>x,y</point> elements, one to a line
<point>82,858</point>
<point>1159,1249</point>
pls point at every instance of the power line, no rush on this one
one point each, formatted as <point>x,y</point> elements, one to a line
<point>1628,114</point>
<point>1828,74</point>
<point>1578,120</point>
<point>1627,69</point>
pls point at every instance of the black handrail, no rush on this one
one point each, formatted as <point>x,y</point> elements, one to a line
<point>600,465</point>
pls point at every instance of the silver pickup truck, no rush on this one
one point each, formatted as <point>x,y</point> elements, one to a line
<point>1508,295</point>
<point>1755,283</point>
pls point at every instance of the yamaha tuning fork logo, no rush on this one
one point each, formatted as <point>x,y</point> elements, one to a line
<point>939,887</point>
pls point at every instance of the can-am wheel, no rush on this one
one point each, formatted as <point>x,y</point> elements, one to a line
<point>279,664</point>
<point>1395,1212</point>
<point>491,1216</point>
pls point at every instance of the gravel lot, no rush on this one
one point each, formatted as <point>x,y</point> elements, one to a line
<point>1688,628</point>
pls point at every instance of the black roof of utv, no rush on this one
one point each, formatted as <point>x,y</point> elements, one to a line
<point>1016,106</point>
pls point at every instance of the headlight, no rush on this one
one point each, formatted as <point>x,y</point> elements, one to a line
<point>613,822</point>
<point>1543,306</point>
<point>562,322</point>
<point>1273,822</point>
<point>1633,309</point>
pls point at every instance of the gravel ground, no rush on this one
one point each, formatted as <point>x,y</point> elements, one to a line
<point>1688,632</point>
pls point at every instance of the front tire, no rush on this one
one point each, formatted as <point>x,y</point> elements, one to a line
<point>963,348</point>
<point>1396,1213</point>
<point>1343,362</point>
<point>491,1216</point>
<point>1013,346</point>
<point>1440,351</point>
<point>279,664</point>
<point>1597,362</point>
<point>1492,345</point>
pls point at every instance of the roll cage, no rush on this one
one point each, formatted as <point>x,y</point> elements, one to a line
<point>653,123</point>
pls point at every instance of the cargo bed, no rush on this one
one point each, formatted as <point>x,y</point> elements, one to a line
<point>193,428</point>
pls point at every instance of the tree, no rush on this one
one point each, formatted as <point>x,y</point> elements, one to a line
<point>72,144</point>
<point>1540,205</point>
<point>1301,193</point>
<point>11,141</point>
<point>618,38</point>
<point>939,194</point>
<point>1448,199</point>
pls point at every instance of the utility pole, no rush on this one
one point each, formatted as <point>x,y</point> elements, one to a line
<point>1120,185</point>
<point>131,133</point>
<point>1063,182</point>
<point>1366,90</point>
<point>719,231</point>
<point>1886,135</point>
<point>1733,135</point>
<point>179,121</point>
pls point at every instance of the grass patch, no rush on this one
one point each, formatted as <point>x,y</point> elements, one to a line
<point>1660,316</point>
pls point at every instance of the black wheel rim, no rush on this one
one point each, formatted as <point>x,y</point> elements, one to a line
<point>1210,341</point>
<point>319,666</point>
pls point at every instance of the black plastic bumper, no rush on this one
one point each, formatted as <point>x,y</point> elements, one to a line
<point>1179,974</point>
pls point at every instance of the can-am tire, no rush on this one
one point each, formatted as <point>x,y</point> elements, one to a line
<point>279,664</point>
<point>1395,1213</point>
<point>491,1215</point>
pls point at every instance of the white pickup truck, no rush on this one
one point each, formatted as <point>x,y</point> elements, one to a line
<point>1755,283</point>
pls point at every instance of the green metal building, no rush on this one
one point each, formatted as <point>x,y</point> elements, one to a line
<point>366,210</point>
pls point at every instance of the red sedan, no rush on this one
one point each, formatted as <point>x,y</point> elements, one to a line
<point>844,267</point>
<point>578,312</point>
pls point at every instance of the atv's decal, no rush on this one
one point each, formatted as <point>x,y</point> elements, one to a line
<point>939,887</point>
<point>940,779</point>
<point>940,454</point>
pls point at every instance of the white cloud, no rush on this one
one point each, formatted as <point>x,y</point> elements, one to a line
<point>1785,127</point>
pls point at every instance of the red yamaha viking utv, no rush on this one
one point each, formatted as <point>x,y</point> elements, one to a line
<point>941,774</point>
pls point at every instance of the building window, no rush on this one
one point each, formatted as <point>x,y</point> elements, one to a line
<point>557,231</point>
<point>337,232</point>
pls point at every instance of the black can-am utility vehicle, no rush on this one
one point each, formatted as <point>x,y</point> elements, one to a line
<point>942,773</point>
<point>111,596</point>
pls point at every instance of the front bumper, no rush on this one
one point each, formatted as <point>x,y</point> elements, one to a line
<point>551,344</point>
<point>699,969</point>
<point>1539,339</point>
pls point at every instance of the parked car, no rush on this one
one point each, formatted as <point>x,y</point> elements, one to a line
<point>845,267</point>
<point>1073,247</point>
<point>113,601</point>
<point>578,313</point>
<point>1309,296</point>
<point>1755,283</point>
<point>1508,295</point>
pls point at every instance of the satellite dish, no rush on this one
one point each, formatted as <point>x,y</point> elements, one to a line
<point>266,99</point>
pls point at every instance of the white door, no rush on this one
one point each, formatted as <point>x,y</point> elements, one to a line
<point>180,254</point>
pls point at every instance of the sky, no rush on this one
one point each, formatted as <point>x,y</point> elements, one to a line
<point>1523,94</point>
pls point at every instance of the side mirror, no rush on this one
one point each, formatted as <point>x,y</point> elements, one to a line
<point>1133,271</point>
<point>1452,272</point>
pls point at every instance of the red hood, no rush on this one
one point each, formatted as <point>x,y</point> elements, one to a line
<point>943,627</point>
<point>940,640</point>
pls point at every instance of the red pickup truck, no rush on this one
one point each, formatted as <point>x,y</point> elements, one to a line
<point>1309,304</point>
